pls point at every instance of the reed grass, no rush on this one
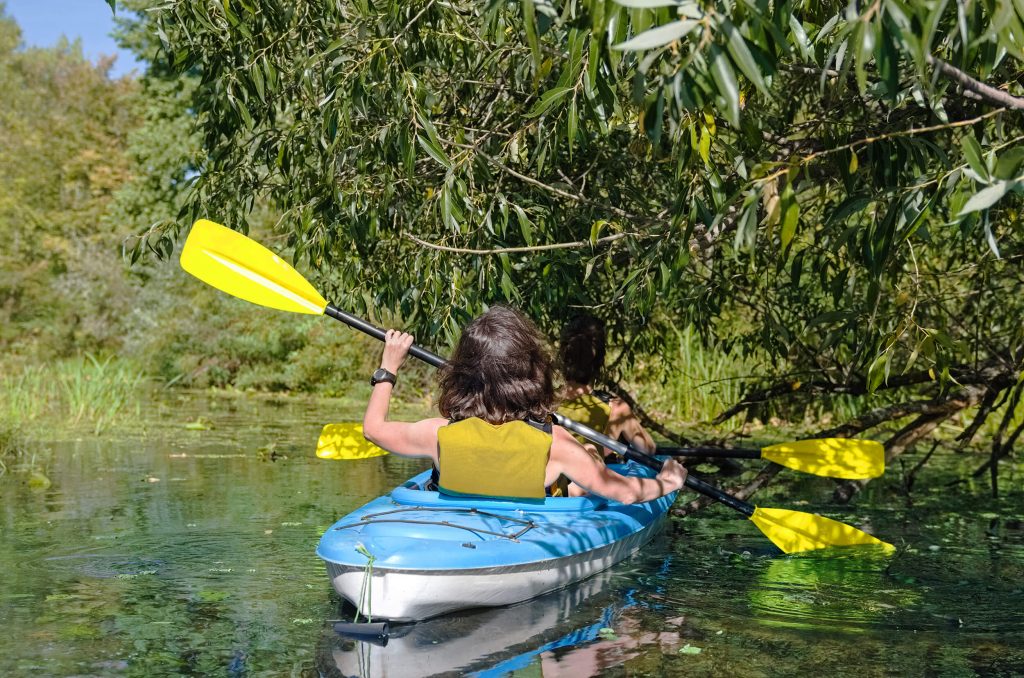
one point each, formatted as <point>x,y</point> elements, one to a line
<point>692,383</point>
<point>65,395</point>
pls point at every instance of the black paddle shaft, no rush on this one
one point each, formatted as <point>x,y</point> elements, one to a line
<point>377,333</point>
<point>711,452</point>
<point>630,452</point>
<point>626,451</point>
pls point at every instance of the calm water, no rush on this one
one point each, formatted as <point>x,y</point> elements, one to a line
<point>177,551</point>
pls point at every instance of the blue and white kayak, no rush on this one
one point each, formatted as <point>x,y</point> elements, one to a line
<point>415,554</point>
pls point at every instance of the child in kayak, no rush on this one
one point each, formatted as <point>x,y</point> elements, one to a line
<point>499,377</point>
<point>581,353</point>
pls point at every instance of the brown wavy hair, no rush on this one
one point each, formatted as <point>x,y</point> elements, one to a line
<point>500,371</point>
<point>581,349</point>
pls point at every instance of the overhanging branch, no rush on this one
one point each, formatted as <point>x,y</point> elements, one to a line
<point>992,95</point>
<point>525,249</point>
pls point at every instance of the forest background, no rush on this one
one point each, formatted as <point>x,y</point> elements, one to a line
<point>798,214</point>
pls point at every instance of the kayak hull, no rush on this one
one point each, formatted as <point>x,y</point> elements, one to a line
<point>414,554</point>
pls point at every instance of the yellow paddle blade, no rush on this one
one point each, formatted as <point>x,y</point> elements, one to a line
<point>243,268</point>
<point>794,531</point>
<point>833,457</point>
<point>345,442</point>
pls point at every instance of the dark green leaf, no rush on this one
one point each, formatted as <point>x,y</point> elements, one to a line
<point>548,101</point>
<point>434,151</point>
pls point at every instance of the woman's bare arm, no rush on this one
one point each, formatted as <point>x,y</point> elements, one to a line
<point>410,439</point>
<point>622,422</point>
<point>570,458</point>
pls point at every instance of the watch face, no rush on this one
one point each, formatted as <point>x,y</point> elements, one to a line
<point>381,375</point>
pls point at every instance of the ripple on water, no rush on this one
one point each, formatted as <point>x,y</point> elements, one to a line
<point>106,566</point>
<point>187,556</point>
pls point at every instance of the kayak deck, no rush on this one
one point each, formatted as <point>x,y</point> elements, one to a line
<point>431,553</point>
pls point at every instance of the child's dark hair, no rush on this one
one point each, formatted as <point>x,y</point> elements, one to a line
<point>500,371</point>
<point>581,349</point>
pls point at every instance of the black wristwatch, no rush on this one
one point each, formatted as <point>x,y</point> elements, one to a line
<point>380,374</point>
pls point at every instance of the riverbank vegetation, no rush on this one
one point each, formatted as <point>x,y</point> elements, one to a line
<point>829,190</point>
<point>799,213</point>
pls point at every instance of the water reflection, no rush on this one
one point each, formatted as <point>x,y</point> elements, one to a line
<point>584,630</point>
<point>487,642</point>
<point>831,588</point>
<point>183,551</point>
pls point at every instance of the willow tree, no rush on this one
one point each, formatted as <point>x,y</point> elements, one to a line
<point>832,187</point>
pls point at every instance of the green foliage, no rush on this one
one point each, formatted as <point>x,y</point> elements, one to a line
<point>63,124</point>
<point>68,394</point>
<point>801,181</point>
<point>691,383</point>
<point>164,148</point>
<point>87,159</point>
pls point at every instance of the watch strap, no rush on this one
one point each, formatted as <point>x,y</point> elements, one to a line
<point>381,374</point>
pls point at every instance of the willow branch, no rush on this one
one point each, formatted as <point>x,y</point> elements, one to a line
<point>534,248</point>
<point>992,95</point>
<point>541,185</point>
<point>805,160</point>
<point>912,433</point>
<point>993,376</point>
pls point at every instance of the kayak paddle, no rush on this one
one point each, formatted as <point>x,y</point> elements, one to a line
<point>846,458</point>
<point>346,442</point>
<point>238,265</point>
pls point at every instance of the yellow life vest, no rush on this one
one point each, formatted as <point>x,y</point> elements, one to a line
<point>588,410</point>
<point>481,459</point>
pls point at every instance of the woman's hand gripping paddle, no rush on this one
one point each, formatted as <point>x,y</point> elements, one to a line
<point>235,264</point>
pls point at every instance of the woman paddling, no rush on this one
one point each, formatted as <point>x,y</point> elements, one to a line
<point>498,378</point>
<point>581,353</point>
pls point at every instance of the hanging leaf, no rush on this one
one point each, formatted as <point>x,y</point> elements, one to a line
<point>725,80</point>
<point>864,47</point>
<point>878,371</point>
<point>987,197</point>
<point>790,216</point>
<point>434,151</point>
<point>658,37</point>
<point>525,225</point>
<point>741,55</point>
<point>972,151</point>
<point>990,238</point>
